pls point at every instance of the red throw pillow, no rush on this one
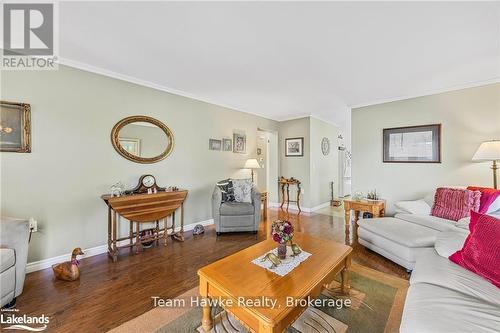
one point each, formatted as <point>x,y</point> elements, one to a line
<point>481,251</point>
<point>455,203</point>
<point>488,196</point>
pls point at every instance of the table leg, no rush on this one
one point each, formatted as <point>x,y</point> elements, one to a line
<point>131,234</point>
<point>265,208</point>
<point>109,230</point>
<point>207,322</point>
<point>298,197</point>
<point>287,196</point>
<point>138,244</point>
<point>165,233</point>
<point>114,237</point>
<point>282,195</point>
<point>347,214</point>
<point>345,276</point>
<point>356,216</point>
<point>157,232</point>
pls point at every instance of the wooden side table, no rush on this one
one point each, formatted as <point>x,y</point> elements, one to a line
<point>286,183</point>
<point>263,200</point>
<point>376,207</point>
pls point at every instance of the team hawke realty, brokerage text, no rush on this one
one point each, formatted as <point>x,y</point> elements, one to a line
<point>256,302</point>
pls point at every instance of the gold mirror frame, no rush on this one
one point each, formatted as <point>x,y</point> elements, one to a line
<point>145,160</point>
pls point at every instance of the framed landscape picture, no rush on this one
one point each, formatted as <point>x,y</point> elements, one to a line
<point>15,127</point>
<point>413,144</point>
<point>239,143</point>
<point>294,147</point>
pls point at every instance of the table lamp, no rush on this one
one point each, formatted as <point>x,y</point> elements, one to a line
<point>252,164</point>
<point>489,151</point>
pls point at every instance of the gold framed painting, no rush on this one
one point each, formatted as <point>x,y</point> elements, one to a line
<point>15,127</point>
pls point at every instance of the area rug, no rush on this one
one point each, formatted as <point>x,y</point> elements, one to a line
<point>377,305</point>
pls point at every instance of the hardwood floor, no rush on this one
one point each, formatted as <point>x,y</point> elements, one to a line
<point>109,294</point>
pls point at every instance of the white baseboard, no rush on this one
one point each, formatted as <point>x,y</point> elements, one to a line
<point>93,251</point>
<point>293,206</point>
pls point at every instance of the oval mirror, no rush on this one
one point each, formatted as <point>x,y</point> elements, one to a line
<point>142,139</point>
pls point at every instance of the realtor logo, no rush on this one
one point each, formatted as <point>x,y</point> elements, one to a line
<point>29,36</point>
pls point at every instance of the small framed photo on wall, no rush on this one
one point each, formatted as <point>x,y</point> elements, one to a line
<point>239,143</point>
<point>227,144</point>
<point>294,147</point>
<point>214,144</point>
<point>413,144</point>
<point>15,127</point>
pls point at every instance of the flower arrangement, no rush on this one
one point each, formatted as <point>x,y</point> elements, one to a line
<point>282,231</point>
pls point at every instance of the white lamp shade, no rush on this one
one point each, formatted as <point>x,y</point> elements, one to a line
<point>488,151</point>
<point>252,163</point>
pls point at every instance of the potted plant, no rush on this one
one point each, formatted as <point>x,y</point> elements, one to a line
<point>282,233</point>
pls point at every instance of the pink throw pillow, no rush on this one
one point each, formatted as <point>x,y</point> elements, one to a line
<point>481,251</point>
<point>455,203</point>
<point>488,196</point>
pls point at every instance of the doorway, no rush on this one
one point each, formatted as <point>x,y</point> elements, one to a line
<point>267,155</point>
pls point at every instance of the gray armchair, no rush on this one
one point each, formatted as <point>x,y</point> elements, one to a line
<point>14,235</point>
<point>236,216</point>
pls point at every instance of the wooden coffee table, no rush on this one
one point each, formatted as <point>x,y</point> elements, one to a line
<point>236,277</point>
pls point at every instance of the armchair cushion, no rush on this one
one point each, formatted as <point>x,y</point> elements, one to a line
<point>242,190</point>
<point>236,208</point>
<point>7,259</point>
<point>226,188</point>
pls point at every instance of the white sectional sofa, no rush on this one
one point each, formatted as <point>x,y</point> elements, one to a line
<point>412,230</point>
<point>444,297</point>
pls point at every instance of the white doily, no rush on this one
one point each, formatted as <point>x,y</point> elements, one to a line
<point>287,264</point>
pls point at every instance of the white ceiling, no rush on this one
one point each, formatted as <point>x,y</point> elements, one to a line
<point>284,60</point>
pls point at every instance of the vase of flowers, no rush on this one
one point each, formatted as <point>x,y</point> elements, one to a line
<point>282,233</point>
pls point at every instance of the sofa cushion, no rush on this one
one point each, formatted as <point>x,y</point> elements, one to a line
<point>433,269</point>
<point>432,308</point>
<point>7,259</point>
<point>449,242</point>
<point>454,203</point>
<point>236,208</point>
<point>488,197</point>
<point>413,207</point>
<point>399,231</point>
<point>428,221</point>
<point>480,253</point>
<point>400,254</point>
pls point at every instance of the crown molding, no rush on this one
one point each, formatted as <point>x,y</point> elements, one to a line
<point>130,79</point>
<point>428,93</point>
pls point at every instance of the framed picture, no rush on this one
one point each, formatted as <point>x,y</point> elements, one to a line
<point>15,127</point>
<point>294,147</point>
<point>214,144</point>
<point>131,145</point>
<point>414,144</point>
<point>239,143</point>
<point>227,144</point>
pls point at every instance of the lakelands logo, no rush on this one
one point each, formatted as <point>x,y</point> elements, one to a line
<point>24,322</point>
<point>29,36</point>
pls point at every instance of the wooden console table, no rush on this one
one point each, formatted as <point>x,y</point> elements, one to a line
<point>284,182</point>
<point>376,207</point>
<point>143,208</point>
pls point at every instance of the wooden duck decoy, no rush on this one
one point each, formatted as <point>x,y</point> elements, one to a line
<point>68,271</point>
